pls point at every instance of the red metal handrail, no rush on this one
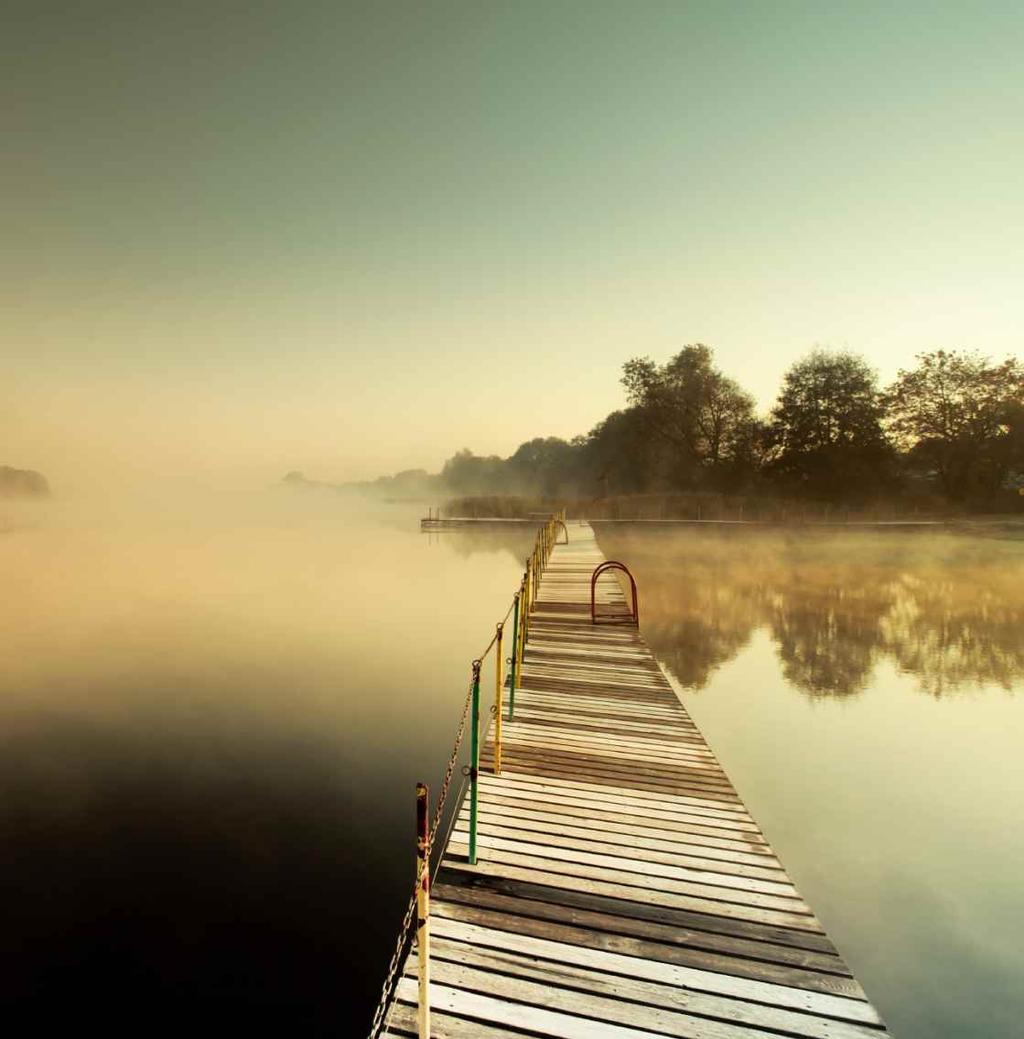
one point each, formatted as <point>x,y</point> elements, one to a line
<point>613,564</point>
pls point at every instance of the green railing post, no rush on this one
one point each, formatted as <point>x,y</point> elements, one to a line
<point>474,761</point>
<point>515,655</point>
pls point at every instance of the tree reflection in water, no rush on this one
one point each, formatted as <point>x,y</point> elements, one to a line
<point>946,608</point>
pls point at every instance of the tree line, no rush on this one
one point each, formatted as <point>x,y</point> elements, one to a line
<point>951,429</point>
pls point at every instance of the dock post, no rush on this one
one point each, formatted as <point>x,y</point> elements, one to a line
<point>499,678</point>
<point>474,761</point>
<point>525,619</point>
<point>514,658</point>
<point>423,907</point>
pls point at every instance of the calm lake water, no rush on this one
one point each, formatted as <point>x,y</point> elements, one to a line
<point>864,694</point>
<point>213,718</point>
<point>211,733</point>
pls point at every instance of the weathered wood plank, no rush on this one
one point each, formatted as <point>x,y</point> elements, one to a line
<point>533,1020</point>
<point>587,937</point>
<point>688,1014</point>
<point>545,871</point>
<point>470,879</point>
<point>655,869</point>
<point>840,1007</point>
<point>635,837</point>
<point>556,836</point>
<point>603,915</point>
<point>663,802</point>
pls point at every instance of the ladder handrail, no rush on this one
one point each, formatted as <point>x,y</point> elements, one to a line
<point>605,567</point>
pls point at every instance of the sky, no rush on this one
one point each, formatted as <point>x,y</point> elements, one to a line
<point>242,238</point>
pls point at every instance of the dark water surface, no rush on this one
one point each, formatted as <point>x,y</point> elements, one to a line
<point>212,721</point>
<point>864,694</point>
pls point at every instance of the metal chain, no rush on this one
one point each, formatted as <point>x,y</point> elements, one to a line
<point>450,768</point>
<point>384,1005</point>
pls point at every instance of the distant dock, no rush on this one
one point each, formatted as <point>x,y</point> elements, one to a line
<point>434,523</point>
<point>482,522</point>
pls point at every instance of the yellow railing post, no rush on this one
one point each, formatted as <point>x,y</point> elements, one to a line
<point>525,618</point>
<point>514,655</point>
<point>474,760</point>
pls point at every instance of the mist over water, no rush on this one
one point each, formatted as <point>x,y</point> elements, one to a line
<point>213,714</point>
<point>863,692</point>
<point>214,709</point>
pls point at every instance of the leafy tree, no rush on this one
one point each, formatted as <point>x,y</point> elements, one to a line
<point>620,456</point>
<point>545,465</point>
<point>467,473</point>
<point>825,431</point>
<point>962,418</point>
<point>690,403</point>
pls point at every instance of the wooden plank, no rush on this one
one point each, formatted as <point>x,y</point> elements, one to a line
<point>629,945</point>
<point>628,774</point>
<point>637,837</point>
<point>602,793</point>
<point>680,829</point>
<point>695,829</point>
<point>533,1020</point>
<point>839,1007</point>
<point>545,871</point>
<point>636,849</point>
<point>676,755</point>
<point>471,879</point>
<point>649,865</point>
<point>614,736</point>
<point>677,1012</point>
<point>442,1026</point>
<point>626,758</point>
<point>601,915</point>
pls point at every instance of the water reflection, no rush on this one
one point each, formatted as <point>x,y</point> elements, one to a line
<point>945,608</point>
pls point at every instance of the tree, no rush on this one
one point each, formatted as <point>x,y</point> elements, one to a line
<point>620,455</point>
<point>690,403</point>
<point>545,466</point>
<point>962,418</point>
<point>825,431</point>
<point>467,473</point>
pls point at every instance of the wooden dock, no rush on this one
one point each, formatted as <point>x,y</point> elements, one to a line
<point>621,890</point>
<point>478,522</point>
<point>823,526</point>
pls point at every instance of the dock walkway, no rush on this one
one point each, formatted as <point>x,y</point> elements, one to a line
<point>622,890</point>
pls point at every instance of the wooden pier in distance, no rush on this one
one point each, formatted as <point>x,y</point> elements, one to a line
<point>478,522</point>
<point>621,890</point>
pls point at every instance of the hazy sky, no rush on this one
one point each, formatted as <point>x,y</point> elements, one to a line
<point>241,237</point>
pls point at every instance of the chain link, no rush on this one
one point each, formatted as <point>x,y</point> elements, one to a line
<point>381,1014</point>
<point>450,769</point>
<point>384,1005</point>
